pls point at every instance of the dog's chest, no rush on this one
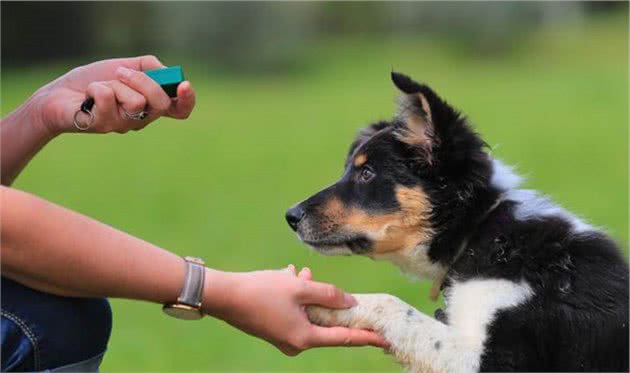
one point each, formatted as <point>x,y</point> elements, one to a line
<point>471,307</point>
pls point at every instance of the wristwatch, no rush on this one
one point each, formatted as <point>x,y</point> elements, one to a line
<point>188,305</point>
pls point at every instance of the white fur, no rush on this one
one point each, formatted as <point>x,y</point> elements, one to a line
<point>330,250</point>
<point>481,298</point>
<point>531,205</point>
<point>414,261</point>
<point>422,344</point>
<point>503,176</point>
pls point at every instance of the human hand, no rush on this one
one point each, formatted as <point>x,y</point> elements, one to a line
<point>271,305</point>
<point>117,86</point>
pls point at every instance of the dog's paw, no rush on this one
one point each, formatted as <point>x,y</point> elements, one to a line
<point>369,313</point>
<point>322,316</point>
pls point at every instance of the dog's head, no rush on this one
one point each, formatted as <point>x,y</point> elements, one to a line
<point>404,181</point>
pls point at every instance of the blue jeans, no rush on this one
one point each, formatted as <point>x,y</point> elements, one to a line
<point>45,332</point>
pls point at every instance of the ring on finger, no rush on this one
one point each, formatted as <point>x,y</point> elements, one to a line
<point>135,116</point>
<point>83,126</point>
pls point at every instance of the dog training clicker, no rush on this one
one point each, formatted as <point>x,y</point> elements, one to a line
<point>168,78</point>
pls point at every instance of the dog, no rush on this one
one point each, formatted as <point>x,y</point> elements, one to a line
<point>527,286</point>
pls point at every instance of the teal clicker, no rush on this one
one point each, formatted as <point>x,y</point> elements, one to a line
<point>168,78</point>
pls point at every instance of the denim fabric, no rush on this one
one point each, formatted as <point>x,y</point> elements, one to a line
<point>89,365</point>
<point>41,331</point>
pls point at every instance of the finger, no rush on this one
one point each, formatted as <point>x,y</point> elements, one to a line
<point>182,107</point>
<point>340,336</point>
<point>326,295</point>
<point>105,108</point>
<point>291,269</point>
<point>305,274</point>
<point>158,101</point>
<point>288,350</point>
<point>130,100</point>
<point>142,63</point>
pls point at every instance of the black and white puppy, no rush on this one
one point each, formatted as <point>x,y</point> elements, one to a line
<point>527,285</point>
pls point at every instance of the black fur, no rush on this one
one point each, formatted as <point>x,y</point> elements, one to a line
<point>578,317</point>
<point>458,182</point>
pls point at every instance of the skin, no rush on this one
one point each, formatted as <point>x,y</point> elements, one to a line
<point>53,249</point>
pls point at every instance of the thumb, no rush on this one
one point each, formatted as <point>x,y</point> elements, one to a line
<point>340,336</point>
<point>141,63</point>
<point>326,295</point>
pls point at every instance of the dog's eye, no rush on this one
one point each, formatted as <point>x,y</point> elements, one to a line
<point>366,174</point>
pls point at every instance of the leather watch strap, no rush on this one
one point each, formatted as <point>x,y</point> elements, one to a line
<point>193,283</point>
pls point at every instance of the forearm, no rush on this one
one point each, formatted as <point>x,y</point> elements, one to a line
<point>53,249</point>
<point>22,134</point>
<point>60,251</point>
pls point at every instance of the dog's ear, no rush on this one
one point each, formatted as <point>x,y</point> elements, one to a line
<point>420,112</point>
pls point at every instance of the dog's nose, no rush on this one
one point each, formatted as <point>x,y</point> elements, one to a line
<point>294,216</point>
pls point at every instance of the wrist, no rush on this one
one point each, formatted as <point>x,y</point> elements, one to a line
<point>218,296</point>
<point>37,114</point>
<point>30,118</point>
<point>49,111</point>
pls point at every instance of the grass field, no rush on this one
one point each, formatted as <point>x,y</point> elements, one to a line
<point>217,185</point>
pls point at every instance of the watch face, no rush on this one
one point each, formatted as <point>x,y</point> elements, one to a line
<point>182,311</point>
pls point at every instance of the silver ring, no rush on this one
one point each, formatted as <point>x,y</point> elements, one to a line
<point>135,116</point>
<point>80,126</point>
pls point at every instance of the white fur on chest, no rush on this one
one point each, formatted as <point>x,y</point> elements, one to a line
<point>419,342</point>
<point>414,262</point>
<point>473,305</point>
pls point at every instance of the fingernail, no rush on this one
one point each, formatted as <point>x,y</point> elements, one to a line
<point>349,300</point>
<point>123,72</point>
<point>187,91</point>
<point>304,272</point>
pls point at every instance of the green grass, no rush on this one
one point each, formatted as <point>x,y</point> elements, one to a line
<point>217,185</point>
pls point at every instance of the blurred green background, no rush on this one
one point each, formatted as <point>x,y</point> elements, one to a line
<point>282,89</point>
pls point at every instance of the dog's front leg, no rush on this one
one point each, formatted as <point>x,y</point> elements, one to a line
<point>418,342</point>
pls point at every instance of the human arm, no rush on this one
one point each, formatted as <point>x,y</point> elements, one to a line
<point>56,250</point>
<point>117,85</point>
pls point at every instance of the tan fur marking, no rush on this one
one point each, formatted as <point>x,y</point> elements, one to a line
<point>419,129</point>
<point>415,133</point>
<point>360,159</point>
<point>411,226</point>
<point>426,107</point>
<point>334,209</point>
<point>394,231</point>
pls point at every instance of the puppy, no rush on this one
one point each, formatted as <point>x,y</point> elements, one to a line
<point>527,285</point>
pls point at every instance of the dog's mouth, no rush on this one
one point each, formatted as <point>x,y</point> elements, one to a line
<point>356,244</point>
